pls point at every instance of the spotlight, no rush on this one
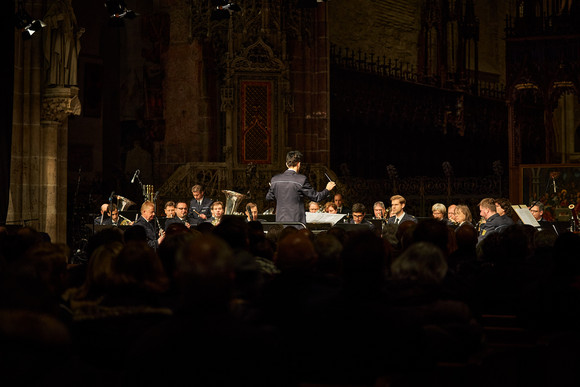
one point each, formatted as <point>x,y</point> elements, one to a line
<point>222,9</point>
<point>24,22</point>
<point>117,9</point>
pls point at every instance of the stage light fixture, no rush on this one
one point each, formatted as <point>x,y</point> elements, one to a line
<point>117,9</point>
<point>24,22</point>
<point>222,9</point>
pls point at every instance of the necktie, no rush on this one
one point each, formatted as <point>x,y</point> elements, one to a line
<point>396,220</point>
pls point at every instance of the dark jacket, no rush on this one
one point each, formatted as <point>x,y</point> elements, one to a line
<point>289,190</point>
<point>403,219</point>
<point>195,209</point>
<point>150,230</point>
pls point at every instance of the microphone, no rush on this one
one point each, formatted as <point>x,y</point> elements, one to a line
<point>111,196</point>
<point>135,175</point>
<point>554,184</point>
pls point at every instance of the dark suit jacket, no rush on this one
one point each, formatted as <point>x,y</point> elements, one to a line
<point>194,218</point>
<point>403,219</point>
<point>367,223</point>
<point>343,210</point>
<point>150,230</point>
<point>175,219</point>
<point>289,189</point>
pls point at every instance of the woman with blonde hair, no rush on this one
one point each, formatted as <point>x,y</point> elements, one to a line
<point>463,215</point>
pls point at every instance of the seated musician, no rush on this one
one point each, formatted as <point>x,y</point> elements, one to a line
<point>358,216</point>
<point>251,212</point>
<point>180,215</point>
<point>115,219</point>
<point>217,211</point>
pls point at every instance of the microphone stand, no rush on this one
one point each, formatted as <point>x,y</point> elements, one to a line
<point>546,191</point>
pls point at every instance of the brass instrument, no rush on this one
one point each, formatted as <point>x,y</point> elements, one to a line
<point>149,193</point>
<point>233,200</point>
<point>123,203</point>
<point>125,221</point>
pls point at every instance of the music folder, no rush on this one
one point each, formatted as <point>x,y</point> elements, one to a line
<point>525,215</point>
<point>323,217</point>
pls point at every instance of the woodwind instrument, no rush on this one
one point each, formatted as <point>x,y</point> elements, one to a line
<point>161,231</point>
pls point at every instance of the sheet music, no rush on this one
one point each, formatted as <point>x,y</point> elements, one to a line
<point>323,217</point>
<point>525,215</point>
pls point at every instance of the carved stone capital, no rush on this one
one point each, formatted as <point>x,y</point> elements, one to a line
<point>60,102</point>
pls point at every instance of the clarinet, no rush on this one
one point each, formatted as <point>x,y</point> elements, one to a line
<point>161,232</point>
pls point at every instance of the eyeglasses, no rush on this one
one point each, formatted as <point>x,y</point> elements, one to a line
<point>534,211</point>
<point>358,216</point>
<point>182,208</point>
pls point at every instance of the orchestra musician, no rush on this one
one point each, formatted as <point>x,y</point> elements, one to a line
<point>199,208</point>
<point>217,211</point>
<point>115,218</point>
<point>102,218</point>
<point>148,221</point>
<point>180,216</point>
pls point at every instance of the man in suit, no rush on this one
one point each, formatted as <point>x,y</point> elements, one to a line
<point>180,215</point>
<point>200,206</point>
<point>398,211</point>
<point>537,211</point>
<point>147,221</point>
<point>358,216</point>
<point>340,207</point>
<point>290,188</point>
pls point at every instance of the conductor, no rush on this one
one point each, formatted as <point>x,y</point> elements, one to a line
<point>290,188</point>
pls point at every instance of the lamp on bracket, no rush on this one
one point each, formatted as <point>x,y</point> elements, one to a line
<point>24,22</point>
<point>118,9</point>
<point>223,9</point>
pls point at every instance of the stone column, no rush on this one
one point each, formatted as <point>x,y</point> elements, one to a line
<point>57,104</point>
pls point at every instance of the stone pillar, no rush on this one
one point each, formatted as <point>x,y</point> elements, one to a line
<point>309,124</point>
<point>57,104</point>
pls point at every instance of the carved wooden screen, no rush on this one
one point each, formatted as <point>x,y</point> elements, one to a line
<point>256,122</point>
